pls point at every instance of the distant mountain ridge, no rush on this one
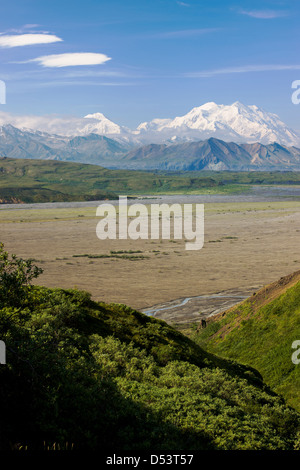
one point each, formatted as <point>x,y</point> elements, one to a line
<point>214,154</point>
<point>211,154</point>
<point>209,137</point>
<point>232,123</point>
<point>93,148</point>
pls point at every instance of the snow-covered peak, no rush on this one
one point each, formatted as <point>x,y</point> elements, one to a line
<point>156,124</point>
<point>236,122</point>
<point>211,105</point>
<point>98,116</point>
<point>99,124</point>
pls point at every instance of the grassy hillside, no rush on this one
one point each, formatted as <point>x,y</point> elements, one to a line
<point>260,332</point>
<point>24,180</point>
<point>253,177</point>
<point>45,181</point>
<point>89,375</point>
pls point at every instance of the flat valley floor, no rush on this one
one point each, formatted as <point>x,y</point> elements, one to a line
<point>247,245</point>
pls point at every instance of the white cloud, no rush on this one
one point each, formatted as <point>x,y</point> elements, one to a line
<point>63,125</point>
<point>264,14</point>
<point>242,69</point>
<point>71,59</point>
<point>62,83</point>
<point>16,40</point>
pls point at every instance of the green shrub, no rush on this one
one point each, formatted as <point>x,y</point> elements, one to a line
<point>16,275</point>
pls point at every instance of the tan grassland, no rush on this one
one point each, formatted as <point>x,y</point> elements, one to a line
<point>246,246</point>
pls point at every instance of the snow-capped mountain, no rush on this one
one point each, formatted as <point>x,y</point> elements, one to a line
<point>99,124</point>
<point>93,148</point>
<point>231,123</point>
<point>236,122</point>
<point>209,154</point>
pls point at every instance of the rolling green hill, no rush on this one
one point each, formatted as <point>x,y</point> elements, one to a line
<point>260,332</point>
<point>54,181</point>
<point>87,375</point>
<point>51,181</point>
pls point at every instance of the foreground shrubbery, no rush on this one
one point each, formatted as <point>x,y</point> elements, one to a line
<point>96,376</point>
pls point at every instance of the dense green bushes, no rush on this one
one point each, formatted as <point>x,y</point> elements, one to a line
<point>96,376</point>
<point>15,277</point>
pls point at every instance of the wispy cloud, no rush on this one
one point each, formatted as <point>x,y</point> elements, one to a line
<point>17,40</point>
<point>242,69</point>
<point>26,28</point>
<point>47,123</point>
<point>186,33</point>
<point>96,73</point>
<point>53,124</point>
<point>30,25</point>
<point>64,83</point>
<point>264,14</point>
<point>71,59</point>
<point>183,4</point>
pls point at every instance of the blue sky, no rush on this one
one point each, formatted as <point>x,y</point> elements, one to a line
<point>137,60</point>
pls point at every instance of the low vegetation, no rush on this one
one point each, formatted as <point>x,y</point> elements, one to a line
<point>117,255</point>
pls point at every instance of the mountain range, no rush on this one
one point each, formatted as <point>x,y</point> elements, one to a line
<point>214,154</point>
<point>237,122</point>
<point>209,137</point>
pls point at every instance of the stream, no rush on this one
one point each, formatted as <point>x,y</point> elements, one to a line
<point>153,311</point>
<point>193,309</point>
